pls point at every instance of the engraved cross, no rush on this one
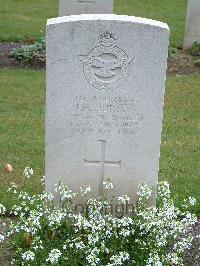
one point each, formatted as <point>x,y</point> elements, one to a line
<point>102,164</point>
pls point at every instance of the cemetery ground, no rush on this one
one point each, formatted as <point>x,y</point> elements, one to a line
<point>22,132</point>
<point>22,138</point>
<point>25,20</point>
<point>22,102</point>
<point>28,25</point>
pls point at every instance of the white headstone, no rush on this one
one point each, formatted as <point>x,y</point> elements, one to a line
<point>77,7</point>
<point>192,27</point>
<point>104,102</point>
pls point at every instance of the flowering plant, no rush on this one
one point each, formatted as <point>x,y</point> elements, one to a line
<point>48,233</point>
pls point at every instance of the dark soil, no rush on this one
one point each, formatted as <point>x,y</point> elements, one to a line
<point>181,64</point>
<point>192,256</point>
<point>7,253</point>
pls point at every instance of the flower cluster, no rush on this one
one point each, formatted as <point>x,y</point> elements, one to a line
<point>28,256</point>
<point>28,172</point>
<point>49,231</point>
<point>54,256</point>
<point>2,209</point>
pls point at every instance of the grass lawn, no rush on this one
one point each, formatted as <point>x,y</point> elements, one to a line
<point>169,11</point>
<point>22,132</point>
<point>22,19</point>
<point>21,127</point>
<point>180,147</point>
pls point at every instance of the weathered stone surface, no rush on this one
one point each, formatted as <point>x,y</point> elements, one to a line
<point>77,7</point>
<point>104,102</point>
<point>192,26</point>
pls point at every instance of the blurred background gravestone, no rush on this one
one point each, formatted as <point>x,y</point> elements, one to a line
<point>192,27</point>
<point>77,7</point>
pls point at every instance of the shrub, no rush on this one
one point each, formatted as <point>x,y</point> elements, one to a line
<point>172,51</point>
<point>30,53</point>
<point>46,233</point>
<point>195,49</point>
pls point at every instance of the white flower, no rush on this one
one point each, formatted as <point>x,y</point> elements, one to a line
<point>46,196</point>
<point>55,218</point>
<point>28,256</point>
<point>37,243</point>
<point>85,190</point>
<point>144,191</point>
<point>92,257</point>
<point>13,262</point>
<point>174,259</point>
<point>28,172</point>
<point>108,185</point>
<point>125,232</point>
<point>12,188</point>
<point>154,260</point>
<point>92,233</point>
<point>163,189</point>
<point>43,180</point>
<point>119,259</point>
<point>124,199</point>
<point>2,209</point>
<point>80,245</point>
<point>2,238</point>
<point>192,201</point>
<point>54,256</point>
<point>64,191</point>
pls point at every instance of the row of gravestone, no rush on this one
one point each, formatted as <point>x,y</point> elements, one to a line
<point>76,7</point>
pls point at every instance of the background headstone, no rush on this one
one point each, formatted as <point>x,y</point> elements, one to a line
<point>77,7</point>
<point>104,101</point>
<point>192,27</point>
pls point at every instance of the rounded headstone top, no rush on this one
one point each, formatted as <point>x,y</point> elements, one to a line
<point>107,17</point>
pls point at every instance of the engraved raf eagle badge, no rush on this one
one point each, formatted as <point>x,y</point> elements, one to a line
<point>106,66</point>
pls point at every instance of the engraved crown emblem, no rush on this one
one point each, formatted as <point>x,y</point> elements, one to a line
<point>107,39</point>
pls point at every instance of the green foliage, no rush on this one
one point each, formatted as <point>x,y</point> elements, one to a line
<point>195,49</point>
<point>30,53</point>
<point>46,233</point>
<point>172,51</point>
